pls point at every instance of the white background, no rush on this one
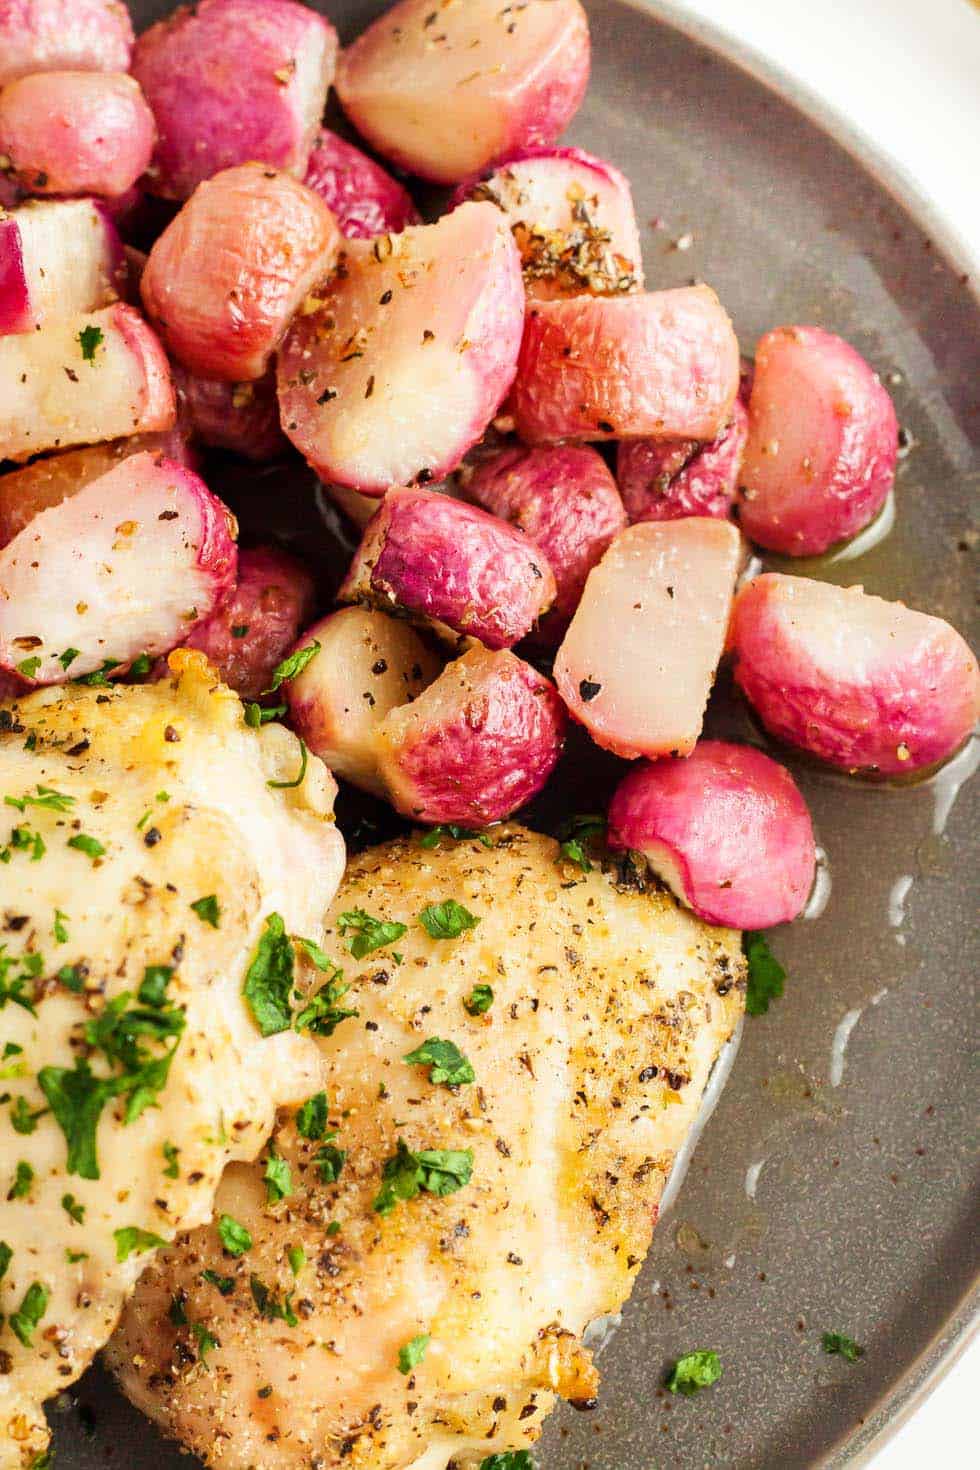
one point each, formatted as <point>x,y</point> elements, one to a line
<point>907,74</point>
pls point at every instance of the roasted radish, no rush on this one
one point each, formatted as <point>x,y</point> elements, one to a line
<point>663,364</point>
<point>75,132</point>
<point>232,81</point>
<point>727,830</point>
<point>822,445</point>
<point>58,35</point>
<point>367,665</point>
<point>243,417</point>
<point>868,685</point>
<point>638,661</point>
<point>664,479</point>
<point>572,217</point>
<point>83,380</point>
<point>476,745</point>
<point>566,501</point>
<point>410,354</point>
<point>125,567</point>
<point>366,200</point>
<point>444,92</point>
<point>57,258</point>
<point>226,276</point>
<point>452,565</point>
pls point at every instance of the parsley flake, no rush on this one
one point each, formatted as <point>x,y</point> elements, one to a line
<point>304,757</point>
<point>256,716</point>
<point>412,1353</point>
<point>269,979</point>
<point>29,1313</point>
<point>234,1237</point>
<point>269,1306</point>
<point>322,1015</point>
<point>446,920</point>
<point>479,1000</point>
<point>223,1284</point>
<point>330,1160</point>
<point>90,846</point>
<point>90,340</point>
<point>839,1345</point>
<point>59,928</point>
<point>766,974</point>
<point>29,666</point>
<point>131,1239</point>
<point>436,1170</point>
<point>206,1341</point>
<point>6,1256</point>
<point>73,1209</point>
<point>278,1179</point>
<point>311,1118</point>
<point>208,910</point>
<point>23,1179</point>
<point>508,1460</point>
<point>170,1152</point>
<point>575,835</point>
<point>446,1062</point>
<point>369,933</point>
<point>435,835</point>
<point>292,666</point>
<point>296,1256</point>
<point>694,1371</point>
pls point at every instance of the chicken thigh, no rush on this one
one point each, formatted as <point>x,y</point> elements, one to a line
<point>505,1085</point>
<point>146,837</point>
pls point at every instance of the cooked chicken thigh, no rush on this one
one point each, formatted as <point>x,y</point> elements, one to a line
<point>142,847</point>
<point>421,1253</point>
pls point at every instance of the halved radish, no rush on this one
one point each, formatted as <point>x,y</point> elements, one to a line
<point>445,90</point>
<point>366,200</point>
<point>242,417</point>
<point>53,35</point>
<point>663,479</point>
<point>125,567</point>
<point>727,830</point>
<point>572,217</point>
<point>368,664</point>
<point>476,745</point>
<point>639,658</point>
<point>82,380</point>
<point>226,276</point>
<point>410,354</point>
<point>822,446</point>
<point>453,565</point>
<point>663,364</point>
<point>57,258</point>
<point>867,685</point>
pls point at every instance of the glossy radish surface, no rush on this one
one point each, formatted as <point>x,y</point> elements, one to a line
<point>453,565</point>
<point>57,258</point>
<point>663,364</point>
<point>639,658</point>
<point>62,35</point>
<point>867,685</point>
<point>366,200</point>
<point>822,447</point>
<point>727,830</point>
<point>125,567</point>
<point>663,479</point>
<point>407,360</point>
<point>76,132</point>
<point>413,87</point>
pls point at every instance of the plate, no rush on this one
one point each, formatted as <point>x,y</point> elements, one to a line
<point>834,1187</point>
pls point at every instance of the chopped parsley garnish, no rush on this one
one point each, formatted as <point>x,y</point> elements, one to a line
<point>29,1313</point>
<point>12,1068</point>
<point>313,952</point>
<point>23,1179</point>
<point>22,839</point>
<point>446,920</point>
<point>206,1341</point>
<point>311,1118</point>
<point>208,910</point>
<point>234,1237</point>
<point>67,658</point>
<point>368,932</point>
<point>330,1160</point>
<point>269,979</point>
<point>6,1256</point>
<point>21,1117</point>
<point>322,1014</point>
<point>177,1311</point>
<point>132,1239</point>
<point>97,678</point>
<point>412,1353</point>
<point>766,974</point>
<point>574,835</point>
<point>256,716</point>
<point>293,665</point>
<point>72,977</point>
<point>296,1256</point>
<point>73,1257</point>
<point>447,1064</point>
<point>153,986</point>
<point>435,835</point>
<point>239,630</point>
<point>223,1284</point>
<point>269,1305</point>
<point>508,1460</point>
<point>839,1345</point>
<point>90,339</point>
<point>29,666</point>
<point>304,758</point>
<point>59,928</point>
<point>170,1152</point>
<point>46,797</point>
<point>479,1000</point>
<point>278,1179</point>
<point>91,846</point>
<point>140,666</point>
<point>438,1171</point>
<point>73,1209</point>
<point>12,986</point>
<point>694,1371</point>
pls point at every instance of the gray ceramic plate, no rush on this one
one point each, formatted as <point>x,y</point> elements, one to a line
<point>835,1185</point>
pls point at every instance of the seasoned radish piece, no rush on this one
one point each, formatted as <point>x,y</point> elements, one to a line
<point>664,479</point>
<point>251,631</point>
<point>125,567</point>
<point>445,91</point>
<point>480,742</point>
<point>226,276</point>
<point>57,258</point>
<point>572,217</point>
<point>368,664</point>
<point>58,35</point>
<point>410,355</point>
<point>11,687</point>
<point>638,661</point>
<point>663,364</point>
<point>232,81</point>
<point>453,565</point>
<point>82,380</point>
<point>566,501</point>
<point>726,829</point>
<point>76,132</point>
<point>243,417</point>
<point>868,685</point>
<point>822,447</point>
<point>366,200</point>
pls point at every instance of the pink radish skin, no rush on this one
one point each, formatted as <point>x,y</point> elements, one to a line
<point>227,275</point>
<point>663,364</point>
<point>57,258</point>
<point>76,132</point>
<point>822,446</point>
<point>566,501</point>
<point>366,200</point>
<point>11,688</point>
<point>663,479</point>
<point>232,82</point>
<point>867,685</point>
<point>572,217</point>
<point>453,565</point>
<point>726,829</point>
<point>62,35</point>
<point>127,566</point>
<point>55,397</point>
<point>415,90</point>
<point>410,356</point>
<point>368,665</point>
<point>242,417</point>
<point>639,658</point>
<point>476,745</point>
